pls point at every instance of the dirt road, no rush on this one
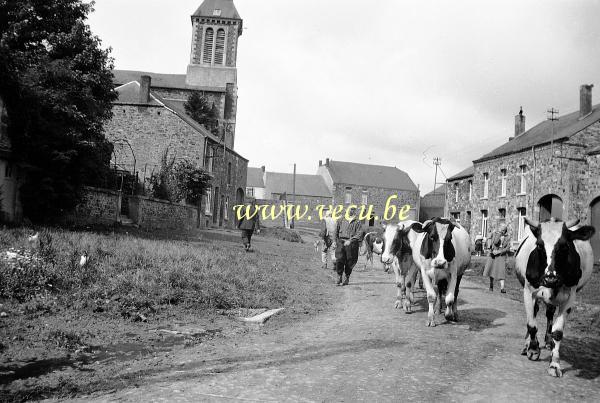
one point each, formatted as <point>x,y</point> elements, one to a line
<point>366,350</point>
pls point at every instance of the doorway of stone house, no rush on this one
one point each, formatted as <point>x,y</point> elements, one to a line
<point>239,200</point>
<point>216,200</point>
<point>550,206</point>
<point>595,222</point>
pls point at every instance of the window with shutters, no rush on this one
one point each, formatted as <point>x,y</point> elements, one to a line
<point>208,45</point>
<point>220,47</point>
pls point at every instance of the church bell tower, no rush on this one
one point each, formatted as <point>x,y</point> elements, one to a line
<point>216,27</point>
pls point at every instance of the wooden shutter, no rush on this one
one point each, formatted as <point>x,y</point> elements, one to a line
<point>208,45</point>
<point>220,47</point>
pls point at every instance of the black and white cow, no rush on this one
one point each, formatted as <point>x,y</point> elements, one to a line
<point>441,251</point>
<point>553,263</point>
<point>373,244</point>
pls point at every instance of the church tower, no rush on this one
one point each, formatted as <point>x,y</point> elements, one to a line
<point>216,27</point>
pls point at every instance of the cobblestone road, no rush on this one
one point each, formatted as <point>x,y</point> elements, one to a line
<point>366,350</point>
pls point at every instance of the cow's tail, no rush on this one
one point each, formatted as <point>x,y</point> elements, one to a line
<point>364,245</point>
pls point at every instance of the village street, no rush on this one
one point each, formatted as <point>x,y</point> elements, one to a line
<point>364,349</point>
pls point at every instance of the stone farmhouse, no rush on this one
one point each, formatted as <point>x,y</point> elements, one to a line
<point>150,118</point>
<point>550,170</point>
<point>365,184</point>
<point>338,183</point>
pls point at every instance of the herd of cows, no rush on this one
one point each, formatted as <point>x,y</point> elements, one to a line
<point>553,262</point>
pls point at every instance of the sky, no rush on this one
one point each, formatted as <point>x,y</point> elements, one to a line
<point>386,82</point>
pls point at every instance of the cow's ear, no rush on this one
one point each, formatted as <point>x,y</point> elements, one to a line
<point>534,226</point>
<point>582,234</point>
<point>417,227</point>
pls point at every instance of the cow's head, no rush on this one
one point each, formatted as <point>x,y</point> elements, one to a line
<point>437,244</point>
<point>395,239</point>
<point>553,260</point>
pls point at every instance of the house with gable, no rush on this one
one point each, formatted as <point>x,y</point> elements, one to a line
<point>149,117</point>
<point>551,170</point>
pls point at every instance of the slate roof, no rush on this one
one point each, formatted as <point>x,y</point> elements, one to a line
<point>465,173</point>
<point>254,178</point>
<point>227,8</point>
<point>306,185</point>
<point>440,190</point>
<point>352,173</point>
<point>130,94</point>
<point>542,133</point>
<point>159,80</point>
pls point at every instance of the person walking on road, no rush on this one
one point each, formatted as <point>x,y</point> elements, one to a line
<point>248,225</point>
<point>495,267</point>
<point>348,235</point>
<point>327,234</point>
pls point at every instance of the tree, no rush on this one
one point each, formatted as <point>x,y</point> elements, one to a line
<point>56,82</point>
<point>192,182</point>
<point>203,112</point>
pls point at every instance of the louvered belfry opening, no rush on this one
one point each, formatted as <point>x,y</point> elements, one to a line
<point>208,45</point>
<point>220,47</point>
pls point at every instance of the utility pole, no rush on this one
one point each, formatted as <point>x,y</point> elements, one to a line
<point>553,117</point>
<point>294,193</point>
<point>437,161</point>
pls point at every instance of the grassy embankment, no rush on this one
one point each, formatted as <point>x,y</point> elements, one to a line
<point>57,310</point>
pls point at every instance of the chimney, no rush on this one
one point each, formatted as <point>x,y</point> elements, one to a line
<point>519,123</point>
<point>326,162</point>
<point>585,99</point>
<point>262,168</point>
<point>145,89</point>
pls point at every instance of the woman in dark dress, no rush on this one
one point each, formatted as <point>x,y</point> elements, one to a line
<point>495,267</point>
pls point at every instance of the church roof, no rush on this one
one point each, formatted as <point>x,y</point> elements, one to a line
<point>159,80</point>
<point>217,8</point>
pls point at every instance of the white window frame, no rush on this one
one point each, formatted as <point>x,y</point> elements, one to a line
<point>226,209</point>
<point>348,196</point>
<point>470,190</point>
<point>208,202</point>
<point>486,185</point>
<point>484,222</point>
<point>250,191</point>
<point>522,214</point>
<point>503,182</point>
<point>456,192</point>
<point>364,197</point>
<point>523,185</point>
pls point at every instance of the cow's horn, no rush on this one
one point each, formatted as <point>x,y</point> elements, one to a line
<point>532,223</point>
<point>572,223</point>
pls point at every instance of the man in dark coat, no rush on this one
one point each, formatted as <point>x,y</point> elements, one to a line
<point>248,226</point>
<point>348,235</point>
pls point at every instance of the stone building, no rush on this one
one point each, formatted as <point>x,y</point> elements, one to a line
<point>255,183</point>
<point>550,170</point>
<point>433,204</point>
<point>150,118</point>
<point>10,207</point>
<point>365,184</point>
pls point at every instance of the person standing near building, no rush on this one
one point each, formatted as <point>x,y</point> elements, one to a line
<point>248,225</point>
<point>327,234</point>
<point>348,234</point>
<point>495,267</point>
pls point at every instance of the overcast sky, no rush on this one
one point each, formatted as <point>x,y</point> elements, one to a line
<point>387,82</point>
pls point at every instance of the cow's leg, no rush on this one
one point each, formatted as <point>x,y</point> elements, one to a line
<point>550,309</point>
<point>411,279</point>
<point>532,346</point>
<point>455,304</point>
<point>431,295</point>
<point>449,314</point>
<point>399,285</point>
<point>557,335</point>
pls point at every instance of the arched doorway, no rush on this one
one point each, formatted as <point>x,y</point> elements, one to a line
<point>595,222</point>
<point>550,206</point>
<point>239,200</point>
